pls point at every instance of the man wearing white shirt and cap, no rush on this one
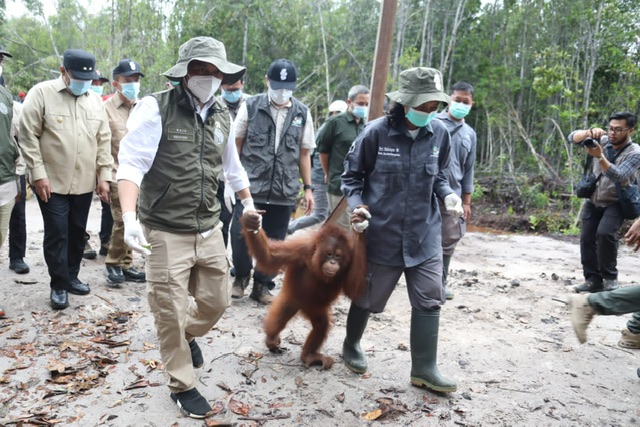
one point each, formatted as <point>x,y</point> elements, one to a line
<point>178,142</point>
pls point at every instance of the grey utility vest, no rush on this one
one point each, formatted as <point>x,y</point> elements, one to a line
<point>178,194</point>
<point>274,176</point>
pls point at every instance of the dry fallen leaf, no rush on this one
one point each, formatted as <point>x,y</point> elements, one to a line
<point>216,423</point>
<point>373,415</point>
<point>138,384</point>
<point>217,407</point>
<point>238,407</point>
<point>340,397</point>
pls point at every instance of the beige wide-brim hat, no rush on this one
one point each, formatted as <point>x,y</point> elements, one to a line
<point>419,85</point>
<point>209,50</point>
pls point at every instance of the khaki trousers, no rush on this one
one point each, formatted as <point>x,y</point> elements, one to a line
<point>5,216</point>
<point>119,252</point>
<point>188,291</point>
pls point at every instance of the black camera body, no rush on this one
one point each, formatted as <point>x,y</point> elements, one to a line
<point>589,142</point>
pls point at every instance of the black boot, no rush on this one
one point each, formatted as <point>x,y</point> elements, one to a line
<point>352,354</point>
<point>424,352</point>
<point>446,260</point>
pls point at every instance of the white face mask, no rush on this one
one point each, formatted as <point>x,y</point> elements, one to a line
<point>203,87</point>
<point>280,96</point>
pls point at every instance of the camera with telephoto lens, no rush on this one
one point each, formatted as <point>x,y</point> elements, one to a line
<point>589,142</point>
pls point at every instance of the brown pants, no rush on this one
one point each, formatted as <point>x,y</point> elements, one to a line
<point>188,291</point>
<point>119,252</point>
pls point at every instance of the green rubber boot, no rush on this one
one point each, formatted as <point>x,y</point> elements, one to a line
<point>352,354</point>
<point>446,260</point>
<point>424,351</point>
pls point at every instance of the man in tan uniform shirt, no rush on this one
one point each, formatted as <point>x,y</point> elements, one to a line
<point>126,82</point>
<point>65,137</point>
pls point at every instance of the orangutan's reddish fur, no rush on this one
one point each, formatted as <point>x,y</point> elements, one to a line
<point>307,288</point>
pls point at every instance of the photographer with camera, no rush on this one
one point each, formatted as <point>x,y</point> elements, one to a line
<point>617,159</point>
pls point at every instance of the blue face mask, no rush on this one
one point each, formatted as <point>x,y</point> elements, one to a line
<point>174,82</point>
<point>130,90</point>
<point>360,112</point>
<point>79,87</point>
<point>419,118</point>
<point>459,110</point>
<point>232,96</point>
<point>97,89</point>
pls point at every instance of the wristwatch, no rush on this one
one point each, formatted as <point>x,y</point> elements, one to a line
<point>308,187</point>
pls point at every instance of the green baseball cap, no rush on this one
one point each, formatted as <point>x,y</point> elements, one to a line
<point>209,50</point>
<point>419,85</point>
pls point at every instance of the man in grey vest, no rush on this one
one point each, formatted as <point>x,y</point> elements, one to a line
<point>178,142</point>
<point>274,136</point>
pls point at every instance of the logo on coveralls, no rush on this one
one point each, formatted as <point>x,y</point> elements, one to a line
<point>435,152</point>
<point>3,108</point>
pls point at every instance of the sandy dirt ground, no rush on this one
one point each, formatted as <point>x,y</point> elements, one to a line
<point>505,337</point>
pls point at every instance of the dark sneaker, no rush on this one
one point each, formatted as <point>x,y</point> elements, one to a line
<point>261,293</point>
<point>133,275</point>
<point>611,284</point>
<point>191,403</point>
<point>89,252</point>
<point>114,274</point>
<point>239,285</point>
<point>588,286</point>
<point>19,266</point>
<point>196,354</point>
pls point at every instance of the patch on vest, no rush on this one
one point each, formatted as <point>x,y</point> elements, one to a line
<point>3,108</point>
<point>218,135</point>
<point>178,134</point>
<point>297,121</point>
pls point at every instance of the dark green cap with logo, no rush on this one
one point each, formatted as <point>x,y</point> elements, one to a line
<point>419,85</point>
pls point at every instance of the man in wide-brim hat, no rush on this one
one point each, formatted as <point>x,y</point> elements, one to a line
<point>393,175</point>
<point>179,142</point>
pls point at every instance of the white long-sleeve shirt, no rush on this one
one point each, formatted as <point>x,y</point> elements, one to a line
<point>139,146</point>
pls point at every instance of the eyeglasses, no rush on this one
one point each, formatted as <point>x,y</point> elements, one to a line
<point>617,130</point>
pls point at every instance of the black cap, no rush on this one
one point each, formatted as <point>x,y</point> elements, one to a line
<point>101,77</point>
<point>5,53</point>
<point>282,75</point>
<point>81,64</point>
<point>127,67</point>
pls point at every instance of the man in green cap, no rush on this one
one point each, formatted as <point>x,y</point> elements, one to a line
<point>393,175</point>
<point>178,142</point>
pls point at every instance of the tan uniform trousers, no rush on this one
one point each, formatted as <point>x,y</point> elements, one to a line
<point>188,291</point>
<point>119,252</point>
<point>5,216</point>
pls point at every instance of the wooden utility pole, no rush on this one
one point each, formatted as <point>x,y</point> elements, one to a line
<point>382,59</point>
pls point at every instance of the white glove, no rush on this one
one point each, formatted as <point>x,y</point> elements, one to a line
<point>229,198</point>
<point>359,227</point>
<point>453,203</point>
<point>133,235</point>
<point>248,206</point>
